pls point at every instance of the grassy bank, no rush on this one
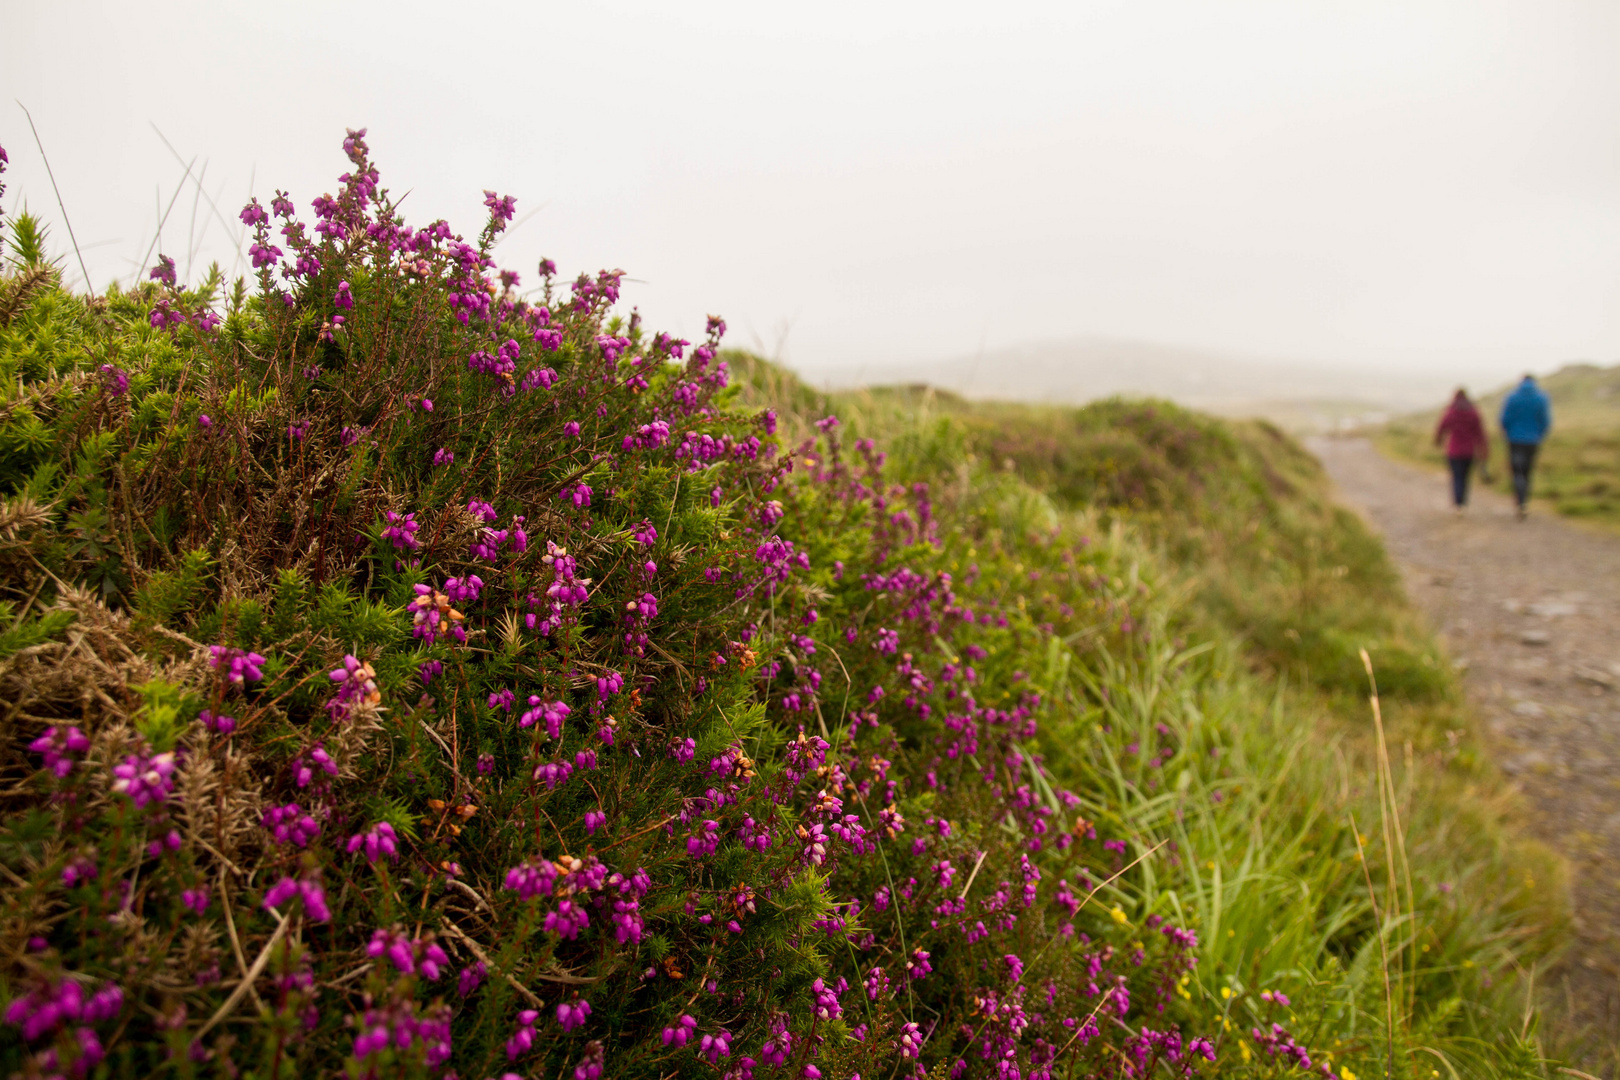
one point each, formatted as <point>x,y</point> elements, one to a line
<point>1578,470</point>
<point>1234,721</point>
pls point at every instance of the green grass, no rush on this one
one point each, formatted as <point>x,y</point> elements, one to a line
<point>1253,596</point>
<point>1578,470</point>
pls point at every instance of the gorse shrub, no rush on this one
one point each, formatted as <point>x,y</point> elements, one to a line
<point>406,677</point>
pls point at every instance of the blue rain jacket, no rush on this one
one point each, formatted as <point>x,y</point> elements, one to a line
<point>1526,414</point>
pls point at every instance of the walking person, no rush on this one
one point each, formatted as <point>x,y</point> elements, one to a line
<point>1464,434</point>
<point>1526,419</point>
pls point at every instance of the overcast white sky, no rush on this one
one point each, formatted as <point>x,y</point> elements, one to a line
<point>1389,185</point>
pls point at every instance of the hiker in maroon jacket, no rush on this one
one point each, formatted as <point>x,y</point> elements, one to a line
<point>1464,433</point>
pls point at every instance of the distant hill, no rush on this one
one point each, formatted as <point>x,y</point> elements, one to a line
<point>1074,371</point>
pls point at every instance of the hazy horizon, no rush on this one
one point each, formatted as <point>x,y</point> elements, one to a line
<point>1376,188</point>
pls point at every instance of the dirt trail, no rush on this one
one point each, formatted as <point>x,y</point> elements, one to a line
<point>1532,609</point>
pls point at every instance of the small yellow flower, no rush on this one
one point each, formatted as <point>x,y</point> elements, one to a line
<point>1347,1074</point>
<point>1119,916</point>
<point>1243,1047</point>
<point>1226,993</point>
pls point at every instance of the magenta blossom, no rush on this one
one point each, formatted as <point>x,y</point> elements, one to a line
<point>145,779</point>
<point>56,745</point>
<point>572,1015</point>
<point>310,892</point>
<point>379,842</point>
<point>239,667</point>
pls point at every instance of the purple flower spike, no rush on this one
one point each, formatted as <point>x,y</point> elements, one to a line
<point>145,780</point>
<point>572,1015</point>
<point>239,667</point>
<point>379,842</point>
<point>56,745</point>
<point>115,380</point>
<point>163,271</point>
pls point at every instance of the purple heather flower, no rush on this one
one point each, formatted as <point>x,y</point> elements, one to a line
<point>344,298</point>
<point>115,380</point>
<point>444,456</point>
<point>407,955</point>
<point>145,779</point>
<point>501,207</point>
<point>591,1065</point>
<point>163,271</point>
<point>195,899</point>
<point>82,868</point>
<point>290,825</point>
<point>310,892</point>
<point>681,1032</point>
<point>55,746</point>
<point>205,421</point>
<point>432,616</point>
<point>380,841</point>
<point>46,1008</point>
<point>594,819</point>
<point>304,771</point>
<point>401,531</point>
<point>522,1042</point>
<point>572,1015</point>
<point>263,254</point>
<point>254,214</point>
<point>716,1046</point>
<point>463,588</point>
<point>552,712</point>
<point>239,667</point>
<point>471,978</point>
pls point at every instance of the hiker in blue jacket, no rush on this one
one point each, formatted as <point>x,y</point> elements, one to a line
<point>1526,417</point>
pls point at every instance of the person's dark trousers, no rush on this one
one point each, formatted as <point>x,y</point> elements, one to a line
<point>1522,458</point>
<point>1460,468</point>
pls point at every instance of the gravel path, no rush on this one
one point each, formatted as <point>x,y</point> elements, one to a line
<point>1531,610</point>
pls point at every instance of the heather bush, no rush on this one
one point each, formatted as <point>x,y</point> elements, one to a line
<point>406,676</point>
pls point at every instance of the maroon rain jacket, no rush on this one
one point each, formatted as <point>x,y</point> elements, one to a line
<point>1464,430</point>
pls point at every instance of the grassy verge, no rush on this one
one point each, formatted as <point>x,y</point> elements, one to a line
<point>1358,870</point>
<point>1578,470</point>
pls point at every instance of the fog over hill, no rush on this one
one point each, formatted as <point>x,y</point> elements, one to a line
<point>1072,371</point>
